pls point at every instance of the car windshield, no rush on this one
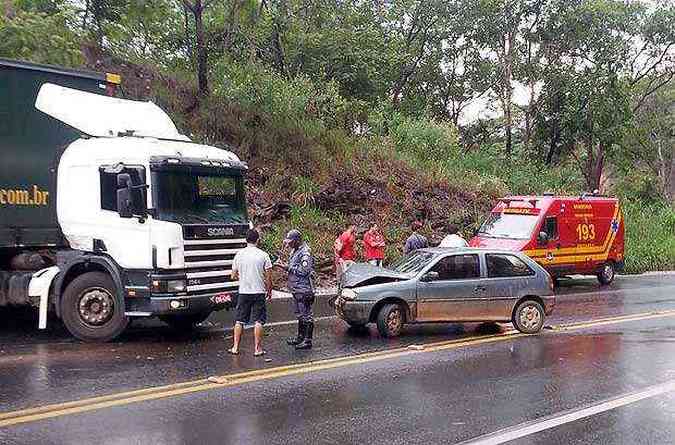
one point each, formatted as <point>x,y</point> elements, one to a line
<point>189,198</point>
<point>413,263</point>
<point>506,225</point>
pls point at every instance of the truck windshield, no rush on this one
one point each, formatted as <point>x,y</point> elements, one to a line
<point>189,198</point>
<point>512,226</point>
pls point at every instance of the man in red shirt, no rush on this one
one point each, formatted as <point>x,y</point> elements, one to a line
<point>374,244</point>
<point>344,251</point>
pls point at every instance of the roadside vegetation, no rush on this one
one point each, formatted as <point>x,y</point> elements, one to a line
<point>359,112</point>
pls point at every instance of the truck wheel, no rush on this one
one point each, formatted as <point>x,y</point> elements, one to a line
<point>606,274</point>
<point>90,310</point>
<point>184,322</point>
<point>390,320</point>
<point>528,317</point>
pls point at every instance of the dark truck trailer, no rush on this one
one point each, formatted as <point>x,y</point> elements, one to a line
<point>30,142</point>
<point>107,212</point>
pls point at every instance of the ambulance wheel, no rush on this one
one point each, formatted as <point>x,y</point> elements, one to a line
<point>90,309</point>
<point>606,273</point>
<point>184,322</point>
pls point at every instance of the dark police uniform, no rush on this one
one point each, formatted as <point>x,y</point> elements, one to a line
<point>300,270</point>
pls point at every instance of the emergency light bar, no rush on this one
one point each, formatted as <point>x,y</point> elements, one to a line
<point>521,211</point>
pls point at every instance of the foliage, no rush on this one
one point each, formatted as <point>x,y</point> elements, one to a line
<point>42,37</point>
<point>650,236</point>
<point>424,138</point>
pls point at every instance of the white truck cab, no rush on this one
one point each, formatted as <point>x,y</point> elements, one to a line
<point>149,221</point>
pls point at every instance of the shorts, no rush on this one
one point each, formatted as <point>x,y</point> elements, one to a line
<point>251,308</point>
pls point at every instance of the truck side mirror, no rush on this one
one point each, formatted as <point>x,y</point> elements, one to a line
<point>542,238</point>
<point>124,195</point>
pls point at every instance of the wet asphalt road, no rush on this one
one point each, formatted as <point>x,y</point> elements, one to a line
<point>445,396</point>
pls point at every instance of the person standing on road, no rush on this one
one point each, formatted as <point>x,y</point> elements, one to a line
<point>373,242</point>
<point>453,238</point>
<point>344,251</point>
<point>300,269</point>
<point>416,240</point>
<point>252,267</point>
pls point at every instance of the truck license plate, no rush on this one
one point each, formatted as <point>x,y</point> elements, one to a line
<point>221,298</point>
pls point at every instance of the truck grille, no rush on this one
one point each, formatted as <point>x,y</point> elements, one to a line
<point>208,264</point>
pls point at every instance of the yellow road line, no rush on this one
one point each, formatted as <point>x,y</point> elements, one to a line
<point>160,392</point>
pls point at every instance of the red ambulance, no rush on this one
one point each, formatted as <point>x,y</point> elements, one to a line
<point>566,235</point>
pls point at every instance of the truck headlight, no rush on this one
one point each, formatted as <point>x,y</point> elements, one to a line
<point>168,286</point>
<point>349,294</point>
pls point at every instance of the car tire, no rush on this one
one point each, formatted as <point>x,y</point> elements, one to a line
<point>606,273</point>
<point>91,310</point>
<point>529,316</point>
<point>390,320</point>
<point>185,322</point>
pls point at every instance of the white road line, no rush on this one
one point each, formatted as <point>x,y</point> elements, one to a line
<point>545,423</point>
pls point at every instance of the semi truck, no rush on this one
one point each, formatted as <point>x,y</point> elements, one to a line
<point>107,211</point>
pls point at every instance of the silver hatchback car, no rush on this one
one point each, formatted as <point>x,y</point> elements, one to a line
<point>448,285</point>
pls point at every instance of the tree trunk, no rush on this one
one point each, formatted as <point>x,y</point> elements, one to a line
<point>9,9</point>
<point>671,180</point>
<point>202,55</point>
<point>508,91</point>
<point>188,43</point>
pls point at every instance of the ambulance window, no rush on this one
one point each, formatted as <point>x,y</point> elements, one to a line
<point>501,266</point>
<point>551,227</point>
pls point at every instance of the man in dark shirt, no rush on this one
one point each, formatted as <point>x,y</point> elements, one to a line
<point>415,240</point>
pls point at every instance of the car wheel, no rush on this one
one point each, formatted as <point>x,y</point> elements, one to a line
<point>90,309</point>
<point>606,274</point>
<point>184,322</point>
<point>529,317</point>
<point>390,320</point>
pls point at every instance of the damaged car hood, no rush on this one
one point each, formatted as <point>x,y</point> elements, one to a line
<point>362,274</point>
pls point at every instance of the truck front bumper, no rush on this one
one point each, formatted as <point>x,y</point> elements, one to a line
<point>173,305</point>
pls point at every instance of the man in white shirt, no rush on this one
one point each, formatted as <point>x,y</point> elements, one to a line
<point>253,268</point>
<point>453,239</point>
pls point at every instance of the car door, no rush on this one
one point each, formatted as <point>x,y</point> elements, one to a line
<point>455,294</point>
<point>507,277</point>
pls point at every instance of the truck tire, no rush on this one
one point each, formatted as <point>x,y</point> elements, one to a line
<point>185,322</point>
<point>606,273</point>
<point>528,317</point>
<point>390,320</point>
<point>90,310</point>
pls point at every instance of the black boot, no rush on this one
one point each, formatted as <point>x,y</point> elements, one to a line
<point>301,335</point>
<point>307,341</point>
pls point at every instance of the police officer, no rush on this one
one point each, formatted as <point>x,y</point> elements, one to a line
<point>300,269</point>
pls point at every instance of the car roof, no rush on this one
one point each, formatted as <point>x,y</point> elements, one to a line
<point>475,250</point>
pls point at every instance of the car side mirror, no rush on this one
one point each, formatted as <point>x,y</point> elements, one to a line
<point>430,276</point>
<point>124,195</point>
<point>542,238</point>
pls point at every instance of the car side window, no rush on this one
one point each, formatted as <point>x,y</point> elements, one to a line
<point>504,265</point>
<point>551,227</point>
<point>457,267</point>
